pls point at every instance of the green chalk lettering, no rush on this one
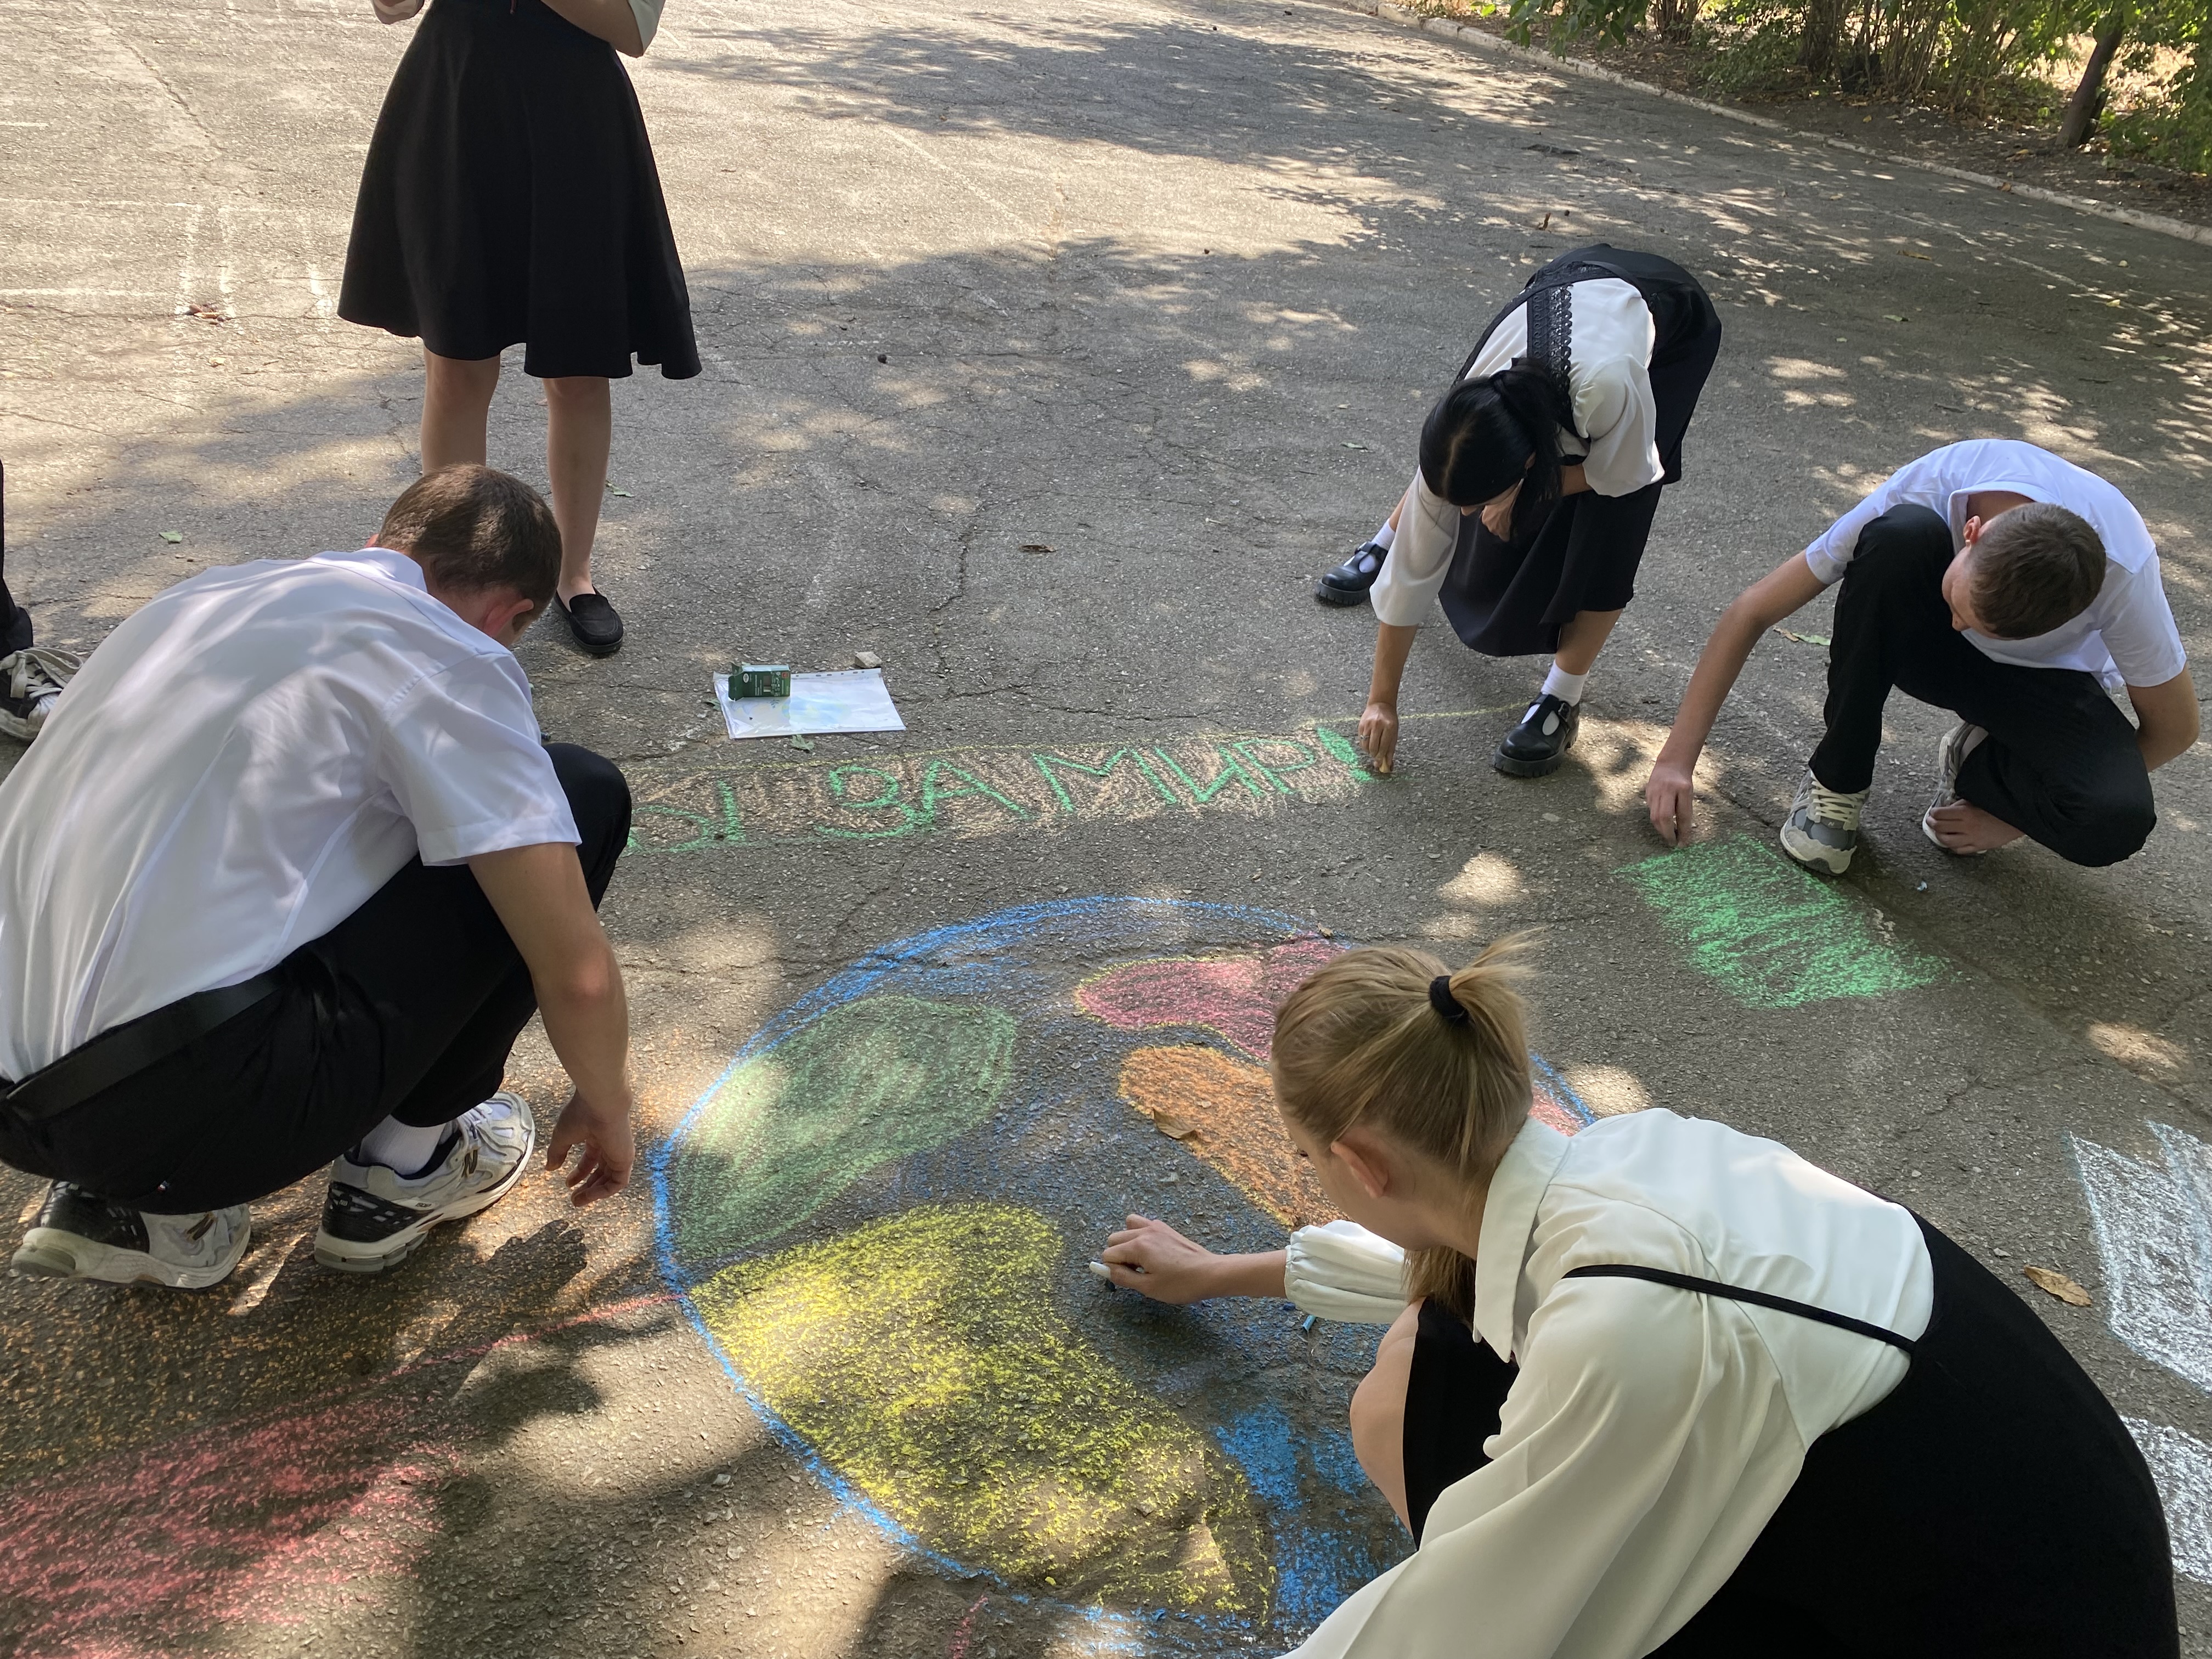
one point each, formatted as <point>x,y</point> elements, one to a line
<point>969,784</point>
<point>1339,749</point>
<point>705,832</point>
<point>1045,763</point>
<point>1230,773</point>
<point>1269,770</point>
<point>733,828</point>
<point>887,799</point>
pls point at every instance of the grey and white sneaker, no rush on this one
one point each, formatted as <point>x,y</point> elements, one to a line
<point>1951,752</point>
<point>1822,830</point>
<point>373,1217</point>
<point>31,680</point>
<point>79,1235</point>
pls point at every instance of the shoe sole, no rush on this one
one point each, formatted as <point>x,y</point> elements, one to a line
<point>17,726</point>
<point>346,1257</point>
<point>1338,596</point>
<point>49,1253</point>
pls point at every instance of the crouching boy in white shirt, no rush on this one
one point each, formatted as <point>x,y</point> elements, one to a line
<point>1997,580</point>
<point>282,881</point>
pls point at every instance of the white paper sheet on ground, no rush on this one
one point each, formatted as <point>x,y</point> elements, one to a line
<point>850,700</point>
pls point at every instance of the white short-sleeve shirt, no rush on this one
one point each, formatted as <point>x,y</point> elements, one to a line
<point>1652,1433</point>
<point>239,767</point>
<point>2126,637</point>
<point>1609,384</point>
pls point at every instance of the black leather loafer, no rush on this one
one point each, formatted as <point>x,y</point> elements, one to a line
<point>1348,584</point>
<point>596,624</point>
<point>1540,742</point>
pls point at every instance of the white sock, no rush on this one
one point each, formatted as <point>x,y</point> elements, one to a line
<point>1384,537</point>
<point>401,1147</point>
<point>1567,688</point>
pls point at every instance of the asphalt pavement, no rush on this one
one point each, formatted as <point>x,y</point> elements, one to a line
<point>1049,359</point>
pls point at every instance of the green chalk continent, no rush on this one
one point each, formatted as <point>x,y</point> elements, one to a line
<point>868,1084</point>
<point>1773,935</point>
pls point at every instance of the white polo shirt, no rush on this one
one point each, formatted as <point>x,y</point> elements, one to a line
<point>1652,1433</point>
<point>235,770</point>
<point>2126,637</point>
<point>1610,380</point>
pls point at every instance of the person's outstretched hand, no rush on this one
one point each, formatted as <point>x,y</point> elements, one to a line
<point>1498,515</point>
<point>1378,736</point>
<point>600,1135</point>
<point>1153,1257</point>
<point>1672,800</point>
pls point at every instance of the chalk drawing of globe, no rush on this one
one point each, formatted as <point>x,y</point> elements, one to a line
<point>879,1218</point>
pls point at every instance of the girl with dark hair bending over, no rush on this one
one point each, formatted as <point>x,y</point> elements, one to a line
<point>1663,1387</point>
<point>510,196</point>
<point>1540,472</point>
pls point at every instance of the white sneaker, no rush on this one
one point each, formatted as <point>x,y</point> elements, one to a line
<point>31,681</point>
<point>78,1235</point>
<point>1960,741</point>
<point>1822,830</point>
<point>373,1217</point>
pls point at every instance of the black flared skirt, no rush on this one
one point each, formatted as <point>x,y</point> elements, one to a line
<point>1511,598</point>
<point>1993,1506</point>
<point>510,196</point>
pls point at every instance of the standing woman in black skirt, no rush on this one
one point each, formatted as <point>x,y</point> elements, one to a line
<point>511,196</point>
<point>1539,476</point>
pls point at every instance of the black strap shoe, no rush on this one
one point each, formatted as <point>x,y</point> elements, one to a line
<point>1540,742</point>
<point>594,622</point>
<point>1348,584</point>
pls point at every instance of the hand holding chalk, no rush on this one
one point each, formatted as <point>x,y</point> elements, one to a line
<point>1378,737</point>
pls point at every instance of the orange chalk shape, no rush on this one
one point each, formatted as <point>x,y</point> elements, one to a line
<point>1240,1133</point>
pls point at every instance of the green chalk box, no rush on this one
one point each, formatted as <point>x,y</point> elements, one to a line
<point>755,679</point>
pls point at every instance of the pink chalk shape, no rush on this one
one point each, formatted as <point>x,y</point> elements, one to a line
<point>149,1551</point>
<point>1548,1111</point>
<point>1234,996</point>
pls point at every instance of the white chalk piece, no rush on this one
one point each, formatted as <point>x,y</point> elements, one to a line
<point>1100,1270</point>
<point>846,700</point>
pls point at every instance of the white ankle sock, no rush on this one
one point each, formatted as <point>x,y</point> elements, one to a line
<point>1384,537</point>
<point>1567,688</point>
<point>401,1147</point>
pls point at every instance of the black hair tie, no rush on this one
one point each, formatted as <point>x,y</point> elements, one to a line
<point>1442,999</point>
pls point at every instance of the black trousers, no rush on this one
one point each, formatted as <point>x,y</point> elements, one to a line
<point>406,1009</point>
<point>2060,760</point>
<point>1993,1507</point>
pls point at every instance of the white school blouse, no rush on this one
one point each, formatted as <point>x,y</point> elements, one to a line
<point>647,13</point>
<point>1609,380</point>
<point>239,767</point>
<point>2126,637</point>
<point>1652,1432</point>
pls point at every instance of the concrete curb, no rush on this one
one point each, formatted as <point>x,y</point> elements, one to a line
<point>1484,41</point>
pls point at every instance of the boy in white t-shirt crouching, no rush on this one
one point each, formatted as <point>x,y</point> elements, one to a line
<point>1997,580</point>
<point>287,871</point>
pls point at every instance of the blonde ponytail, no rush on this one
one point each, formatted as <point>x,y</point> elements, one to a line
<point>1438,1060</point>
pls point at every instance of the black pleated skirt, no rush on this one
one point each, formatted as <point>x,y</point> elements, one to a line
<point>1511,598</point>
<point>510,196</point>
<point>1993,1507</point>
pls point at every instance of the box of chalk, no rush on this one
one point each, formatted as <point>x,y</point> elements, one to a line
<point>755,679</point>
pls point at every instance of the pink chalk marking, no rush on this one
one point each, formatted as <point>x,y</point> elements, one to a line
<point>149,1550</point>
<point>1233,995</point>
<point>965,1632</point>
<point>1548,1111</point>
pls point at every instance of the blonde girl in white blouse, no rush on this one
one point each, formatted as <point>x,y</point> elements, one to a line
<point>1662,1387</point>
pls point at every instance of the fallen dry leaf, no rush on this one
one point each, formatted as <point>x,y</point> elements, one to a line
<point>1173,1127</point>
<point>1036,547</point>
<point>2050,1280</point>
<point>201,312</point>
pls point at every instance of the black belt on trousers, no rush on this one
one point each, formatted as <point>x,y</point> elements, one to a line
<point>130,1047</point>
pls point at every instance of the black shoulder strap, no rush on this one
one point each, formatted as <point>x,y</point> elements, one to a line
<point>1738,1293</point>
